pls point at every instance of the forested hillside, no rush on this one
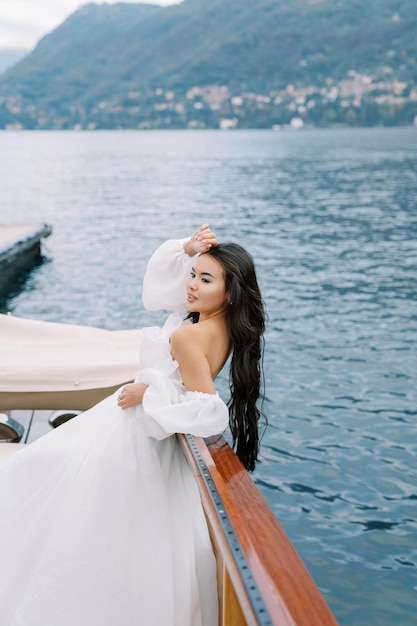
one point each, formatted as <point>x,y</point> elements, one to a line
<point>227,63</point>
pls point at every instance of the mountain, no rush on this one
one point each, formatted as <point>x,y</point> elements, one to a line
<point>227,63</point>
<point>10,56</point>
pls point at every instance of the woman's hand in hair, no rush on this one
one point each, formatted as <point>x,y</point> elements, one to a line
<point>201,241</point>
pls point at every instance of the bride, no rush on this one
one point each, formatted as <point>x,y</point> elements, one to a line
<point>100,520</point>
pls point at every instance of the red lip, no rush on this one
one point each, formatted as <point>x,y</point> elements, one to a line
<point>191,298</point>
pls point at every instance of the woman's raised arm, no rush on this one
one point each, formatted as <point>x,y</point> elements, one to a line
<point>169,268</point>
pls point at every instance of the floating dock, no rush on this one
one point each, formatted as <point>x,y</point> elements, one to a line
<point>20,249</point>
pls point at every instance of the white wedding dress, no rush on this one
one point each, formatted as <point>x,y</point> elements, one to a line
<point>100,520</point>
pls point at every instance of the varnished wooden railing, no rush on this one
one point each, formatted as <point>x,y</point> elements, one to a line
<point>261,578</point>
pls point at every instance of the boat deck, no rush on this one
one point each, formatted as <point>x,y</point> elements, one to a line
<point>35,422</point>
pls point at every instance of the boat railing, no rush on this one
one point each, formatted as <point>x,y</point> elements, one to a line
<point>262,580</point>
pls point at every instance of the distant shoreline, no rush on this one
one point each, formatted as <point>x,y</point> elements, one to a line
<point>286,128</point>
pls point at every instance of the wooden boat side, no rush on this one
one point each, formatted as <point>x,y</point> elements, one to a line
<point>81,399</point>
<point>262,580</point>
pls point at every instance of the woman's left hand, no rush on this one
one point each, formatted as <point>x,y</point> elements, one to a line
<point>131,395</point>
<point>201,241</point>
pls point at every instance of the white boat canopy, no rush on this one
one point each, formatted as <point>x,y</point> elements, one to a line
<point>50,365</point>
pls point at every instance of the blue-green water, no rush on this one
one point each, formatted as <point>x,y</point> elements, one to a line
<point>331,219</point>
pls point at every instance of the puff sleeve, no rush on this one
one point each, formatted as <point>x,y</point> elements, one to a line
<point>166,276</point>
<point>169,409</point>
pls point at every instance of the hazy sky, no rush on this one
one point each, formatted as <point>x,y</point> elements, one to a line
<point>24,22</point>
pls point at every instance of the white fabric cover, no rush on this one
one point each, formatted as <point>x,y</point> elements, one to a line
<point>101,520</point>
<point>46,356</point>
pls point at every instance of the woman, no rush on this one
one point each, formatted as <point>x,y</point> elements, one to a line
<point>101,520</point>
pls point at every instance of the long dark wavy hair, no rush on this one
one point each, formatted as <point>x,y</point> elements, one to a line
<point>245,318</point>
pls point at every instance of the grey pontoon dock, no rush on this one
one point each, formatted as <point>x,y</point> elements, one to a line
<point>20,249</point>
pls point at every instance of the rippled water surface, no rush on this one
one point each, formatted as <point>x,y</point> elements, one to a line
<point>331,219</point>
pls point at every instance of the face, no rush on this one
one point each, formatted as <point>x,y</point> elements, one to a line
<point>206,293</point>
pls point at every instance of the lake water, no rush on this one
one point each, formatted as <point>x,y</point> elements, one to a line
<point>331,219</point>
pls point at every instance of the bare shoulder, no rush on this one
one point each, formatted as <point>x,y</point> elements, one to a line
<point>189,334</point>
<point>188,343</point>
<point>197,338</point>
<point>188,348</point>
